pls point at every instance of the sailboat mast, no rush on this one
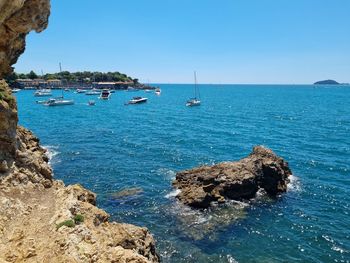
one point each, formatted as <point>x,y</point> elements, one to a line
<point>196,91</point>
<point>61,78</point>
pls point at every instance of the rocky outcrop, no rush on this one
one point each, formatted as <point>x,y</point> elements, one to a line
<point>17,19</point>
<point>262,169</point>
<point>8,124</point>
<point>33,205</point>
<point>41,219</point>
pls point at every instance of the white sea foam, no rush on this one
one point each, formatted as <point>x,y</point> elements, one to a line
<point>294,185</point>
<point>230,259</point>
<point>173,194</point>
<point>51,152</point>
<point>167,172</point>
<point>338,249</point>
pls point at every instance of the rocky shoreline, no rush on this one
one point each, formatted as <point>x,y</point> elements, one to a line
<point>262,169</point>
<point>41,219</point>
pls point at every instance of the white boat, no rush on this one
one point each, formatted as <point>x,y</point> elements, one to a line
<point>137,100</point>
<point>148,90</point>
<point>158,91</point>
<point>43,93</point>
<point>15,90</point>
<point>66,89</point>
<point>91,103</point>
<point>196,100</point>
<point>80,91</point>
<point>59,102</point>
<point>105,94</point>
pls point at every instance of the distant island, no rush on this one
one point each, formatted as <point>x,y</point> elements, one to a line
<point>327,82</point>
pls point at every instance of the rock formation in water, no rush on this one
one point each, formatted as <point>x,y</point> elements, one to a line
<point>262,169</point>
<point>42,220</point>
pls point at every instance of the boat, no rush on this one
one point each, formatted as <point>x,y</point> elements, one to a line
<point>43,93</point>
<point>66,89</point>
<point>80,91</point>
<point>59,102</point>
<point>148,90</point>
<point>196,100</point>
<point>91,103</point>
<point>137,100</point>
<point>15,90</point>
<point>157,91</point>
<point>105,94</point>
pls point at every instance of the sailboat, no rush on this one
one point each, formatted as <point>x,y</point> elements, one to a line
<point>60,101</point>
<point>196,100</point>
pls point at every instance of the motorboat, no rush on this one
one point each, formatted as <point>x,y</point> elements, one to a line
<point>15,90</point>
<point>43,93</point>
<point>157,91</point>
<point>137,100</point>
<point>59,102</point>
<point>91,103</point>
<point>105,94</point>
<point>148,90</point>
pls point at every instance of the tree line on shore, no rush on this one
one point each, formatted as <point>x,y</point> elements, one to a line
<point>74,77</point>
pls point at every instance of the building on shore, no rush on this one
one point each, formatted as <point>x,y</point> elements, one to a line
<point>54,83</point>
<point>31,83</point>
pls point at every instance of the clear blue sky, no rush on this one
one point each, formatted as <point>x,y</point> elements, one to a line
<point>226,41</point>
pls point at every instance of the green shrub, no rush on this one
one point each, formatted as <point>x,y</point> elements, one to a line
<point>67,223</point>
<point>78,219</point>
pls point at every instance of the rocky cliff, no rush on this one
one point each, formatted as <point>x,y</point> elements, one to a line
<point>262,169</point>
<point>41,219</point>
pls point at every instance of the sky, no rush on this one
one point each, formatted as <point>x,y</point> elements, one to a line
<point>225,41</point>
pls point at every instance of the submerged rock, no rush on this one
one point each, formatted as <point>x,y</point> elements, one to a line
<point>127,193</point>
<point>262,169</point>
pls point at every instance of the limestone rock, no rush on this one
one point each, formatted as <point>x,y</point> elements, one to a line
<point>17,19</point>
<point>262,169</point>
<point>32,203</point>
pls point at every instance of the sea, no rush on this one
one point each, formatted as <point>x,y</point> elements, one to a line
<point>129,156</point>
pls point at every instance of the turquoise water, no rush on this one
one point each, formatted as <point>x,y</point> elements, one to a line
<point>111,147</point>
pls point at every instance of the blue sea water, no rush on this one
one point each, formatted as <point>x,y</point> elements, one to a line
<point>111,147</point>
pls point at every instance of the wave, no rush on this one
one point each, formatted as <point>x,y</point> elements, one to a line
<point>173,194</point>
<point>294,184</point>
<point>51,153</point>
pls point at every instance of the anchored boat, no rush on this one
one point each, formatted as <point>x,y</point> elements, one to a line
<point>59,102</point>
<point>43,93</point>
<point>196,100</point>
<point>105,94</point>
<point>158,91</point>
<point>137,100</point>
